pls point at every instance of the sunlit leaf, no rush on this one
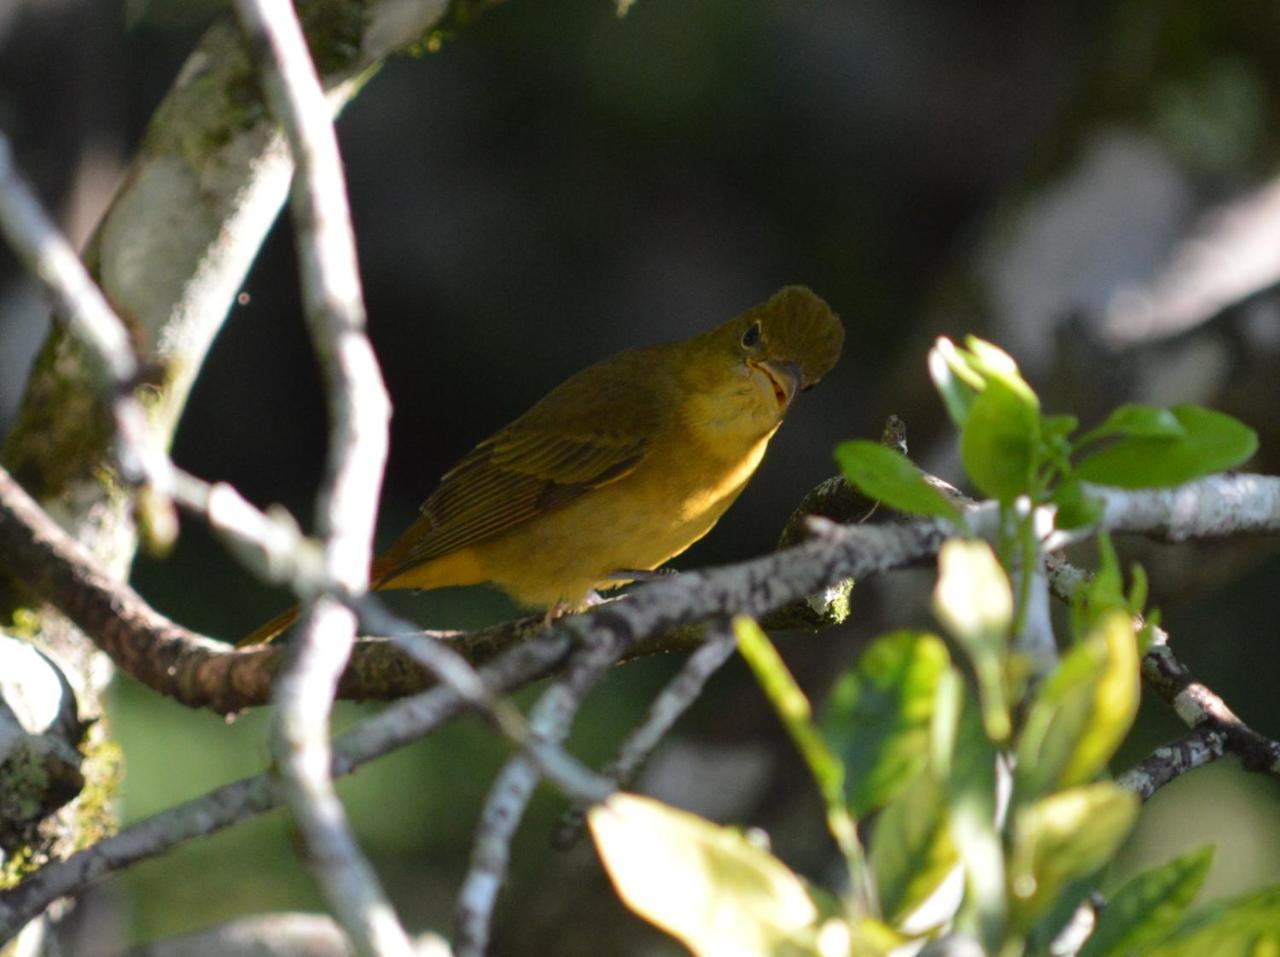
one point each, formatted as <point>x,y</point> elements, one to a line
<point>973,598</point>
<point>957,384</point>
<point>1147,907</point>
<point>888,476</point>
<point>865,937</point>
<point>999,442</point>
<point>974,601</point>
<point>703,883</point>
<point>1209,442</point>
<point>877,717</point>
<point>1067,835</point>
<point>1083,710</point>
<point>1247,926</point>
<point>993,363</point>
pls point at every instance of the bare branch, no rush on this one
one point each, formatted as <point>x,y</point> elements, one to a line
<point>1213,507</point>
<point>49,257</point>
<point>358,412</point>
<point>666,709</point>
<point>1201,708</point>
<point>268,935</point>
<point>395,727</point>
<point>1193,750</point>
<point>509,796</point>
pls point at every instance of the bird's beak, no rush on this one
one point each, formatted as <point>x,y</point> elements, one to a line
<point>785,376</point>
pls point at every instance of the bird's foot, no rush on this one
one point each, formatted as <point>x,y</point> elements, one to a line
<point>562,608</point>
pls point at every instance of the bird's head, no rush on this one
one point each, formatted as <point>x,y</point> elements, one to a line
<point>744,374</point>
<point>788,342</point>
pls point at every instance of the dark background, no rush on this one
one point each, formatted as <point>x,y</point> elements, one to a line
<point>556,184</point>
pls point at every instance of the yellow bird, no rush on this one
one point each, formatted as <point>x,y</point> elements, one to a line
<point>619,468</point>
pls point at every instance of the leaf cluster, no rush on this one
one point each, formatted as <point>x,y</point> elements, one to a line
<point>969,798</point>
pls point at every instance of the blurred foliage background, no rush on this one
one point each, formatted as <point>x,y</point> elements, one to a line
<point>1088,184</point>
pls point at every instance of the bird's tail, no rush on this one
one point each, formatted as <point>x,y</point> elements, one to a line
<point>265,633</point>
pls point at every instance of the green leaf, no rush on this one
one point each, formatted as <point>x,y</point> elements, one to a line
<point>973,598</point>
<point>878,715</point>
<point>1210,442</point>
<point>971,808</point>
<point>911,850</point>
<point>888,476</point>
<point>994,364</point>
<point>1148,906</point>
<point>1138,588</point>
<point>797,716</point>
<point>1057,427</point>
<point>1000,440</point>
<point>1139,421</point>
<point>1054,430</point>
<point>1247,926</point>
<point>1083,710</point>
<point>957,384</point>
<point>1065,836</point>
<point>1104,592</point>
<point>1075,509</point>
<point>702,883</point>
<point>974,602</point>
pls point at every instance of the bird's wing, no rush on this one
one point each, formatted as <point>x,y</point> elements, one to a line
<point>573,441</point>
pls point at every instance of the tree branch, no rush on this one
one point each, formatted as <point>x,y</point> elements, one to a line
<point>666,709</point>
<point>359,411</point>
<point>1195,749</point>
<point>395,727</point>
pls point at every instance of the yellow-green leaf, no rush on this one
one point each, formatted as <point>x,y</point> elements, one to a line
<point>974,602</point>
<point>1000,441</point>
<point>797,716</point>
<point>1083,710</point>
<point>1062,837</point>
<point>1247,926</point>
<point>702,883</point>
<point>1147,907</point>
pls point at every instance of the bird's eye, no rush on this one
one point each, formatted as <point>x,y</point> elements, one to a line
<point>751,338</point>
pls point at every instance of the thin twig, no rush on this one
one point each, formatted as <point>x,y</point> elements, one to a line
<point>346,508</point>
<point>1195,749</point>
<point>1034,630</point>
<point>453,670</point>
<point>49,257</point>
<point>1200,707</point>
<point>666,709</point>
<point>509,796</point>
<point>89,318</point>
